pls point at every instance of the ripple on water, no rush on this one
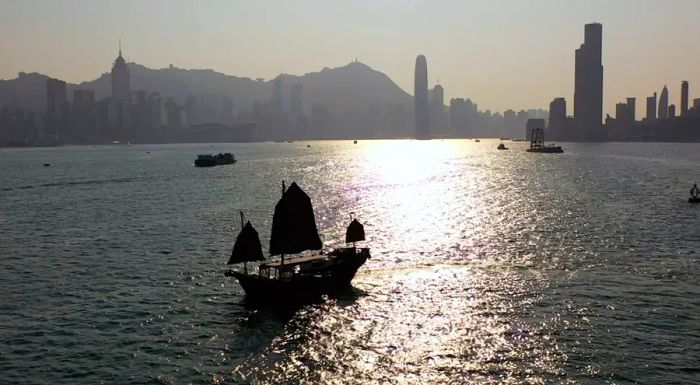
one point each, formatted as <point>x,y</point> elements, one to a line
<point>487,267</point>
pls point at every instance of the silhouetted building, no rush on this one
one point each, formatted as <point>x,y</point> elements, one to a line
<point>226,115</point>
<point>588,93</point>
<point>672,111</point>
<point>121,86</point>
<point>557,116</point>
<point>56,109</point>
<point>84,115</point>
<point>277,95</point>
<point>632,108</point>
<point>296,100</point>
<point>651,108</point>
<point>437,109</point>
<point>173,114</point>
<point>684,97</point>
<point>420,98</point>
<point>663,104</point>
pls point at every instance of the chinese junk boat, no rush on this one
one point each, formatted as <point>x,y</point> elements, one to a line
<point>694,194</point>
<point>537,143</point>
<point>294,231</point>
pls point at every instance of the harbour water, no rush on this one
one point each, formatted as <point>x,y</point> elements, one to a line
<point>488,267</point>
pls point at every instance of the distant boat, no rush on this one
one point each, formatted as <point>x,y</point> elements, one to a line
<point>537,143</point>
<point>354,142</point>
<point>477,140</point>
<point>501,147</point>
<point>219,159</point>
<point>294,231</point>
<point>694,194</point>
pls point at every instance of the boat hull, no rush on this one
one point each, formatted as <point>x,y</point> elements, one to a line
<point>334,278</point>
<point>693,200</point>
<point>546,150</point>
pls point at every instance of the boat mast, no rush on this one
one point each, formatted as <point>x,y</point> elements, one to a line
<point>245,263</point>
<point>282,257</point>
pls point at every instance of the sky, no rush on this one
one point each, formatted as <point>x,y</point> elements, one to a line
<point>502,54</point>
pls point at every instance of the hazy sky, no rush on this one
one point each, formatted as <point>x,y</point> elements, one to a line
<point>500,53</point>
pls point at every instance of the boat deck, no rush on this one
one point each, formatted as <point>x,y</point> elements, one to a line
<point>296,260</point>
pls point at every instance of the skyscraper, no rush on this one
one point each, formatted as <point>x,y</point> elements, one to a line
<point>56,109</point>
<point>296,100</point>
<point>121,87</point>
<point>277,95</point>
<point>632,108</point>
<point>557,116</point>
<point>663,104</point>
<point>84,114</point>
<point>437,109</point>
<point>651,108</point>
<point>588,93</point>
<point>684,98</point>
<point>420,98</point>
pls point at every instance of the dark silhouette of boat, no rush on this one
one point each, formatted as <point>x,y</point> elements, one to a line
<point>537,143</point>
<point>294,231</point>
<point>694,194</point>
<point>219,159</point>
<point>501,147</point>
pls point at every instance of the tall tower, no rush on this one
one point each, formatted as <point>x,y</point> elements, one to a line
<point>588,93</point>
<point>56,109</point>
<point>121,87</point>
<point>684,98</point>
<point>296,100</point>
<point>420,98</point>
<point>663,104</point>
<point>437,108</point>
<point>651,108</point>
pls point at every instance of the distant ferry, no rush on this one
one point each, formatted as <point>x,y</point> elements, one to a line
<point>214,160</point>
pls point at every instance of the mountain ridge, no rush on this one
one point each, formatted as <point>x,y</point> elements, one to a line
<point>352,86</point>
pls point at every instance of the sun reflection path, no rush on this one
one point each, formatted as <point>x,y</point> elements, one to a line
<point>416,188</point>
<point>427,326</point>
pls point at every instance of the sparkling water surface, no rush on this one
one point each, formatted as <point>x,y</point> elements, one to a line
<point>488,267</point>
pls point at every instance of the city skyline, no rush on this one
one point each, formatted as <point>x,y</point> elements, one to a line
<point>461,50</point>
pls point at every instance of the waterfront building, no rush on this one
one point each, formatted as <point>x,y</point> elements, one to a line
<point>420,98</point>
<point>588,93</point>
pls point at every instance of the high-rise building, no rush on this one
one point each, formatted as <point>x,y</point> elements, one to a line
<point>588,93</point>
<point>121,87</point>
<point>557,117</point>
<point>557,110</point>
<point>651,108</point>
<point>672,111</point>
<point>420,98</point>
<point>226,115</point>
<point>296,100</point>
<point>632,108</point>
<point>277,95</point>
<point>663,104</point>
<point>684,97</point>
<point>84,115</point>
<point>56,109</point>
<point>437,109</point>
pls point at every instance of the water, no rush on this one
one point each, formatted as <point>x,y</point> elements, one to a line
<point>488,266</point>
